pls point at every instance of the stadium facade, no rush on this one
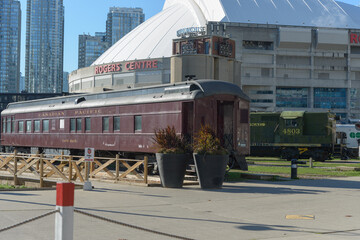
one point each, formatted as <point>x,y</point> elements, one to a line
<point>295,55</point>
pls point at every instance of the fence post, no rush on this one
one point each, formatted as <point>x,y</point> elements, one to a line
<point>70,168</point>
<point>64,219</point>
<point>16,182</point>
<point>41,171</point>
<point>117,167</point>
<point>146,169</point>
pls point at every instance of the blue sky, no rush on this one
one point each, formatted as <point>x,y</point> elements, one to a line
<point>89,16</point>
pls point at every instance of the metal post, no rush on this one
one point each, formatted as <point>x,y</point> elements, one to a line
<point>311,162</point>
<point>64,219</point>
<point>293,168</point>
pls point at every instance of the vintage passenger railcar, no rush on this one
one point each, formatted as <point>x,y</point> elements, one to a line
<point>293,134</point>
<point>124,121</point>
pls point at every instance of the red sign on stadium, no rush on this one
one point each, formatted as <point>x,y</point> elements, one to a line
<point>129,66</point>
<point>355,38</point>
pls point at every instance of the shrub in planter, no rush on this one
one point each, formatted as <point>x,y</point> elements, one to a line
<point>210,158</point>
<point>171,157</point>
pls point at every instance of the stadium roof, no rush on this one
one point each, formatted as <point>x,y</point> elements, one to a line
<point>153,38</point>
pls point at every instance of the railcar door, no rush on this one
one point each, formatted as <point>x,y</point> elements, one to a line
<point>188,120</point>
<point>225,123</point>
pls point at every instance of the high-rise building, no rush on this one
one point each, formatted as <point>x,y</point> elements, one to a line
<point>10,35</point>
<point>66,82</point>
<point>44,46</point>
<point>90,48</point>
<point>120,21</point>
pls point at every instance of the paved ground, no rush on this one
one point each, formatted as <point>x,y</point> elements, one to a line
<point>245,210</point>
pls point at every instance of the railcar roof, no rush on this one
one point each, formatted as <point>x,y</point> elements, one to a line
<point>161,93</point>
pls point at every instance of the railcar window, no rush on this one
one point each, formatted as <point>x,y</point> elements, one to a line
<point>72,124</point>
<point>37,125</point>
<point>21,126</point>
<point>4,125</point>
<point>78,125</point>
<point>28,126</point>
<point>105,124</point>
<point>12,124</point>
<point>138,123</point>
<point>116,123</point>
<point>62,123</point>
<point>8,125</point>
<point>244,116</point>
<point>87,124</point>
<point>46,125</point>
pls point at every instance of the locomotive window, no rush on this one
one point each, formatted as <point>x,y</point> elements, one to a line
<point>87,124</point>
<point>78,124</point>
<point>138,123</point>
<point>105,124</point>
<point>291,123</point>
<point>28,126</point>
<point>21,126</point>
<point>72,124</point>
<point>37,125</point>
<point>116,123</point>
<point>46,125</point>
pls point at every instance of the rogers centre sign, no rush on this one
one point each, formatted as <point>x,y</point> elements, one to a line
<point>355,38</point>
<point>129,66</point>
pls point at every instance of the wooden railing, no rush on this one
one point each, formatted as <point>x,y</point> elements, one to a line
<point>71,168</point>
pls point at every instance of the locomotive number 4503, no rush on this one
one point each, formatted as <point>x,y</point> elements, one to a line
<point>291,131</point>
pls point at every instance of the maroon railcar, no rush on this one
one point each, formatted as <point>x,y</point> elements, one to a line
<point>124,121</point>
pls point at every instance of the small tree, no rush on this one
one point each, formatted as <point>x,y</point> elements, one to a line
<point>168,141</point>
<point>206,142</point>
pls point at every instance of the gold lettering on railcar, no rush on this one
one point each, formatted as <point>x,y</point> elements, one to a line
<point>51,114</point>
<point>69,141</point>
<point>257,124</point>
<point>87,112</point>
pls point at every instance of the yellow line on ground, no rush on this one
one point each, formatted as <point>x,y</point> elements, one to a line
<point>297,217</point>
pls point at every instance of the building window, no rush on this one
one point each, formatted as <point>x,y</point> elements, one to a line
<point>116,123</point>
<point>330,98</point>
<point>72,124</point>
<point>37,126</point>
<point>21,126</point>
<point>292,97</point>
<point>78,125</point>
<point>265,72</point>
<point>138,123</point>
<point>87,124</point>
<point>46,125</point>
<point>323,76</point>
<point>258,45</point>
<point>28,126</point>
<point>105,124</point>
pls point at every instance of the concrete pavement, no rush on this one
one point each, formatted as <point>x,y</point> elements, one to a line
<point>246,210</point>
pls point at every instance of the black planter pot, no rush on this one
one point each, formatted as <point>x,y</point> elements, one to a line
<point>172,169</point>
<point>210,169</point>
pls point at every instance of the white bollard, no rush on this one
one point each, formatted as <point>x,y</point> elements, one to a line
<point>64,219</point>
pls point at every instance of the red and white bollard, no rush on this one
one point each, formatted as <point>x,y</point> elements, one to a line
<point>64,219</point>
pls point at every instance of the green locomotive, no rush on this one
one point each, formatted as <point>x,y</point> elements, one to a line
<point>293,134</point>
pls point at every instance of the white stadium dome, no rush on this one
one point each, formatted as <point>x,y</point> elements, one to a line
<point>153,38</point>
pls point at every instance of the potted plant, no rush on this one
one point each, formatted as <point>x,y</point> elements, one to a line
<point>171,157</point>
<point>210,158</point>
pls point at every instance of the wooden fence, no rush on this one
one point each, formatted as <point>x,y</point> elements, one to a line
<point>71,168</point>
